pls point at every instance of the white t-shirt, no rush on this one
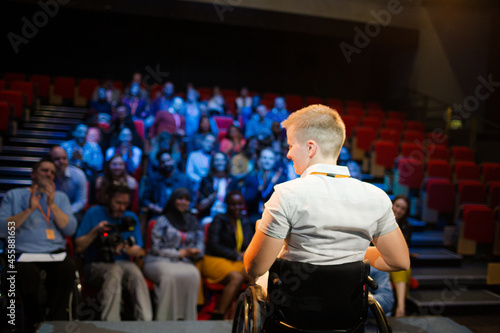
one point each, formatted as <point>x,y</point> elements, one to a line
<point>326,220</point>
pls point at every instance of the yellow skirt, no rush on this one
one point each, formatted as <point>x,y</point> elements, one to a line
<point>402,276</point>
<point>215,269</point>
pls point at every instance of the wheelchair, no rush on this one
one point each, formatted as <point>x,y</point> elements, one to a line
<point>311,299</point>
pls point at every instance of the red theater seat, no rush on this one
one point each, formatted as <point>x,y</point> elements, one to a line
<point>350,123</point>
<point>462,153</point>
<point>16,99</point>
<point>4,117</point>
<point>27,88</point>
<point>413,136</point>
<point>12,77</point>
<point>223,122</point>
<point>228,93</point>
<point>409,149</point>
<point>373,105</point>
<point>362,142</point>
<point>387,134</point>
<point>270,96</point>
<point>394,124</point>
<point>377,113</point>
<point>354,103</point>
<point>314,100</point>
<point>396,115</point>
<point>410,172</point>
<point>355,111</point>
<point>384,154</point>
<point>42,83</point>
<point>440,196</point>
<point>139,126</point>
<point>86,87</point>
<point>65,87</point>
<point>372,122</point>
<point>415,126</point>
<point>437,152</point>
<point>293,102</point>
<point>479,223</point>
<point>437,138</point>
<point>3,85</point>
<point>494,194</point>
<point>336,104</point>
<point>466,170</point>
<point>471,191</point>
<point>490,172</point>
<point>439,168</point>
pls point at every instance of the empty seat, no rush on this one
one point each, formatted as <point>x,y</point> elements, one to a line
<point>42,83</point>
<point>437,137</point>
<point>355,111</point>
<point>336,104</point>
<point>462,153</point>
<point>118,85</point>
<point>388,134</point>
<point>471,191</point>
<point>64,89</point>
<point>86,88</point>
<point>439,195</point>
<point>354,104</point>
<point>3,85</point>
<point>409,149</point>
<point>293,102</point>
<point>466,170</point>
<point>490,172</point>
<point>373,105</point>
<point>384,154</point>
<point>479,223</point>
<point>437,152</point>
<point>314,100</point>
<point>362,142</point>
<point>413,136</point>
<point>350,123</point>
<point>439,168</point>
<point>398,115</point>
<point>228,93</point>
<point>394,124</point>
<point>223,122</point>
<point>4,116</point>
<point>415,126</point>
<point>372,122</point>
<point>12,77</point>
<point>494,194</point>
<point>410,172</point>
<point>16,99</point>
<point>270,96</point>
<point>27,88</point>
<point>380,114</point>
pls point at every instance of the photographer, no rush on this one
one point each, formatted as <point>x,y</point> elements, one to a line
<point>110,235</point>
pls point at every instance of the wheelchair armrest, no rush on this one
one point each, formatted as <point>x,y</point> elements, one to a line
<point>275,279</point>
<point>371,283</point>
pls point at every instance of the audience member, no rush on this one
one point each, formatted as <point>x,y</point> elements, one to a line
<point>138,105</point>
<point>344,156</point>
<point>233,142</point>
<point>198,162</point>
<point>70,180</point>
<point>94,135</point>
<point>165,100</point>
<point>177,242</point>
<point>163,141</point>
<point>42,218</point>
<point>243,100</point>
<point>228,237</point>
<point>384,294</point>
<point>137,79</point>
<point>247,112</point>
<point>282,162</point>
<point>99,109</point>
<point>279,112</point>
<point>401,279</point>
<point>131,154</point>
<point>82,154</point>
<point>112,93</point>
<point>158,186</point>
<point>205,126</point>
<point>171,120</point>
<point>244,162</point>
<point>192,112</point>
<point>258,123</point>
<point>216,103</point>
<point>259,184</point>
<point>354,170</point>
<point>213,189</point>
<point>108,265</point>
<point>122,120</point>
<point>114,173</point>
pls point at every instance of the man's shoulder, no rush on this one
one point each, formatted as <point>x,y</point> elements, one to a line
<point>75,171</point>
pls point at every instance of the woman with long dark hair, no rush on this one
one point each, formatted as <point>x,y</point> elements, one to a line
<point>114,172</point>
<point>177,243</point>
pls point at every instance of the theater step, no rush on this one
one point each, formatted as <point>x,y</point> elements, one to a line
<point>434,257</point>
<point>23,150</point>
<point>59,114</point>
<point>470,275</point>
<point>8,183</point>
<point>454,301</point>
<point>32,141</point>
<point>41,134</point>
<point>427,238</point>
<point>46,126</point>
<point>52,120</point>
<point>15,171</point>
<point>18,161</point>
<point>63,109</point>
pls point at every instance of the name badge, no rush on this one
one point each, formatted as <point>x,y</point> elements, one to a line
<point>50,234</point>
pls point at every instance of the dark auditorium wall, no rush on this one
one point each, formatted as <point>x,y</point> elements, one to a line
<point>281,53</point>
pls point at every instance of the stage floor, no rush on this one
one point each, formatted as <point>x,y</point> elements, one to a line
<point>429,324</point>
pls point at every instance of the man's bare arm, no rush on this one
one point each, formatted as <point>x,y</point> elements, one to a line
<point>390,252</point>
<point>261,253</point>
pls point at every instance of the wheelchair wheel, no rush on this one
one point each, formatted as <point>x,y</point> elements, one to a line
<point>380,317</point>
<point>248,317</point>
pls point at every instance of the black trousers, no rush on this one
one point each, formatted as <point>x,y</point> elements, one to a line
<point>58,285</point>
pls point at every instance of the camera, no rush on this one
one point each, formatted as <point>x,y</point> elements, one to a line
<point>108,241</point>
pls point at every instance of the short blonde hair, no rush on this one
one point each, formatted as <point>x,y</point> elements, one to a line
<point>319,123</point>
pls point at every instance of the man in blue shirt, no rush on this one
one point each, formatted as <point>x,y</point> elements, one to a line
<point>70,180</point>
<point>40,218</point>
<point>107,262</point>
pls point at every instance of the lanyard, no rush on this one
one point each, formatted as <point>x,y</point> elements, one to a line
<point>46,217</point>
<point>329,174</point>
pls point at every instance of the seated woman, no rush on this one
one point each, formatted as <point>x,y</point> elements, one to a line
<point>228,237</point>
<point>213,189</point>
<point>131,154</point>
<point>206,125</point>
<point>233,142</point>
<point>176,244</point>
<point>114,172</point>
<point>401,279</point>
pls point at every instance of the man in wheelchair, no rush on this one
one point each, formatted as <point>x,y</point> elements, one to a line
<point>320,226</point>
